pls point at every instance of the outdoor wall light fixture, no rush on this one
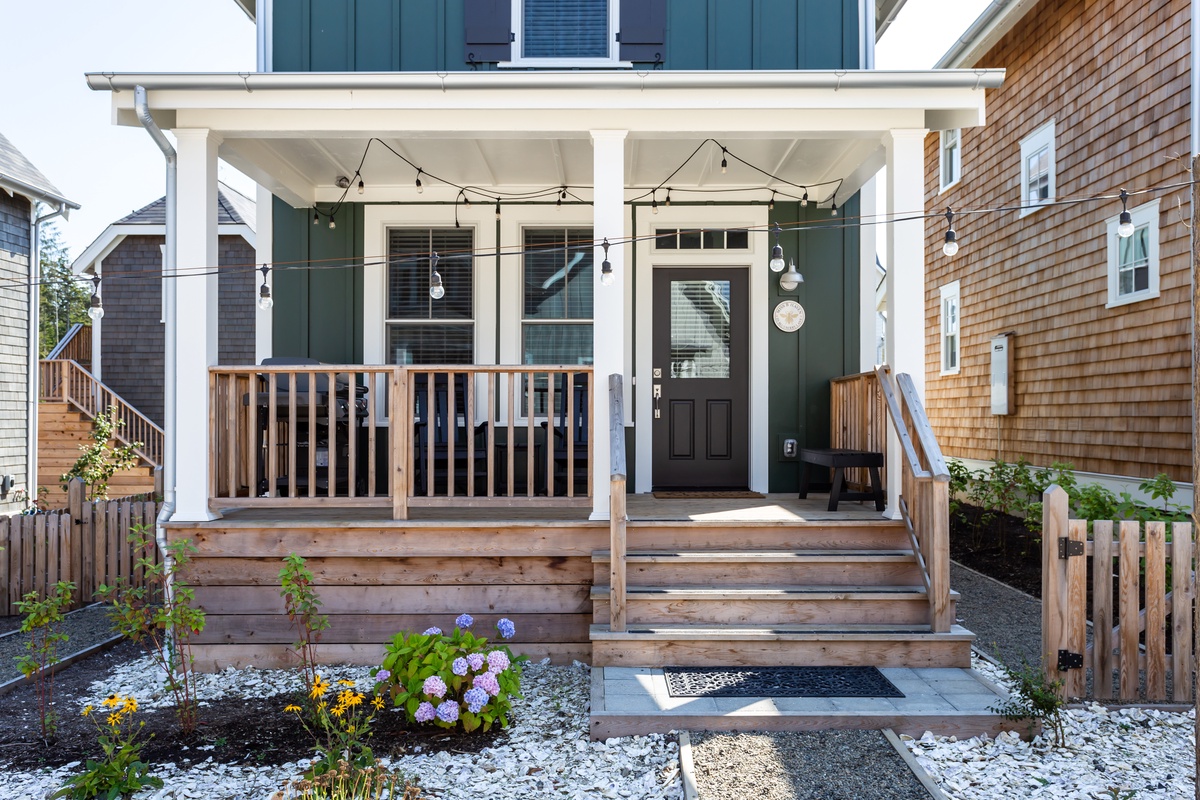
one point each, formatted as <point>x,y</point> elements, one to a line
<point>436,290</point>
<point>776,264</point>
<point>1125,228</point>
<point>264,292</point>
<point>95,310</point>
<point>790,280</point>
<point>950,248</point>
<point>606,270</point>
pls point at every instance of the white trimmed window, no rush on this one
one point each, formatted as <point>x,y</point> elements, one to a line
<point>565,33</point>
<point>1037,169</point>
<point>421,329</point>
<point>1133,260</point>
<point>950,339</point>
<point>951,158</point>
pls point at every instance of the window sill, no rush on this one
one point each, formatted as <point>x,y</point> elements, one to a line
<point>1027,210</point>
<point>1130,299</point>
<point>947,372</point>
<point>565,63</point>
<point>950,185</point>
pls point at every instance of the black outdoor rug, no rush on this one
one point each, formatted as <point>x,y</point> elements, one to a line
<point>778,682</point>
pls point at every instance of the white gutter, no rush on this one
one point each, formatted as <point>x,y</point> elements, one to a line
<point>996,15</point>
<point>169,288</point>
<point>625,79</point>
<point>34,344</point>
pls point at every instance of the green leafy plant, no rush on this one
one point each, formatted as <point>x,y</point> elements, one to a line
<point>1034,698</point>
<point>302,603</point>
<point>345,782</point>
<point>121,772</point>
<point>43,623</point>
<point>100,460</point>
<point>340,723</point>
<point>159,616</point>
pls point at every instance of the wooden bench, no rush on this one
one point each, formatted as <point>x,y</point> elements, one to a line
<point>840,461</point>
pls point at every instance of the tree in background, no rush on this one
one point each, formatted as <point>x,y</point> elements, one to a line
<point>64,300</point>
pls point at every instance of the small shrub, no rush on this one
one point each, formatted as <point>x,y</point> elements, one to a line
<point>301,602</point>
<point>347,783</point>
<point>452,679</point>
<point>43,623</point>
<point>99,461</point>
<point>1034,698</point>
<point>340,724</point>
<point>122,772</point>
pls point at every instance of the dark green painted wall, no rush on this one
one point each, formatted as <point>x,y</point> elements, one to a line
<point>427,35</point>
<point>318,311</point>
<point>802,363</point>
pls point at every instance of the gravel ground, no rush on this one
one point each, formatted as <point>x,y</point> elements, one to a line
<point>802,765</point>
<point>85,627</point>
<point>1007,622</point>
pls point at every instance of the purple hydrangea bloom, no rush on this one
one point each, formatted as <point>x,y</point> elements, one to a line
<point>425,712</point>
<point>464,621</point>
<point>497,661</point>
<point>475,699</point>
<point>459,666</point>
<point>434,631</point>
<point>506,628</point>
<point>434,686</point>
<point>448,711</point>
<point>487,681</point>
<point>382,676</point>
<point>475,660</point>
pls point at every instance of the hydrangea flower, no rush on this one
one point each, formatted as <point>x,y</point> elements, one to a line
<point>382,676</point>
<point>459,666</point>
<point>464,621</point>
<point>497,661</point>
<point>434,631</point>
<point>475,660</point>
<point>434,686</point>
<point>425,712</point>
<point>487,681</point>
<point>506,628</point>
<point>448,711</point>
<point>476,699</point>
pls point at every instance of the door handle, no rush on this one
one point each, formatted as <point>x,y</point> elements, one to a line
<point>657,397</point>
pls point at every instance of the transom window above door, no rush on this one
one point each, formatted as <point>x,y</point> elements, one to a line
<point>697,239</point>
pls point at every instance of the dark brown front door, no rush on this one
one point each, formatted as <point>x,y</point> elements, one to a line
<point>700,378</point>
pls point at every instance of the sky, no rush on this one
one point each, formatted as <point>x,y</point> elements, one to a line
<point>64,128</point>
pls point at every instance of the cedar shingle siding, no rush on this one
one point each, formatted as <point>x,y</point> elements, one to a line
<point>132,333</point>
<point>14,337</point>
<point>1106,389</point>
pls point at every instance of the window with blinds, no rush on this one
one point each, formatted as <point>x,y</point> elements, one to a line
<point>565,29</point>
<point>421,330</point>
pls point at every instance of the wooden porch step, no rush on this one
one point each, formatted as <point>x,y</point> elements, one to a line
<point>765,567</point>
<point>771,645</point>
<point>757,556</point>
<point>881,534</point>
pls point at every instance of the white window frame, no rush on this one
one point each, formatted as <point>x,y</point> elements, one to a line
<point>1043,137</point>
<point>591,320</point>
<point>955,158</point>
<point>518,45</point>
<point>1144,216</point>
<point>950,293</point>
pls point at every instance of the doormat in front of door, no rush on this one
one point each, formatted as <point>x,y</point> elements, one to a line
<point>778,682</point>
<point>693,494</point>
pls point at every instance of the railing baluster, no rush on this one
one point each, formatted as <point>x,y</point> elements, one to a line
<point>550,428</point>
<point>530,438</point>
<point>372,381</point>
<point>512,442</point>
<point>331,431</point>
<point>570,432</point>
<point>231,445</point>
<point>491,434</point>
<point>291,435</point>
<point>351,436</point>
<point>452,419</point>
<point>272,436</point>
<point>469,428</point>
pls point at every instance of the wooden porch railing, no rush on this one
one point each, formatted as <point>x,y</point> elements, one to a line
<point>924,492</point>
<point>474,436</point>
<point>858,421</point>
<point>616,505</point>
<point>75,346</point>
<point>67,382</point>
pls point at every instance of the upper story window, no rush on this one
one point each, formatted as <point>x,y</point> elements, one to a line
<point>565,32</point>
<point>950,299</point>
<point>1133,260</point>
<point>951,158</point>
<point>1037,169</point>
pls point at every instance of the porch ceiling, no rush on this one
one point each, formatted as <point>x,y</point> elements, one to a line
<point>295,134</point>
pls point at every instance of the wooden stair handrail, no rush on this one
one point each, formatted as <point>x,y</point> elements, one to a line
<point>616,504</point>
<point>929,445</point>
<point>74,341</point>
<point>97,399</point>
<point>897,418</point>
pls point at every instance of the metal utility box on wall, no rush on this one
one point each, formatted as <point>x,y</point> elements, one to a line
<point>1004,390</point>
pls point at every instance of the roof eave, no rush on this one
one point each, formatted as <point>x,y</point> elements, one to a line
<point>983,34</point>
<point>248,6</point>
<point>36,193</point>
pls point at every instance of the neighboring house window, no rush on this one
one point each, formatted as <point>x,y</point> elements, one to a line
<point>1133,260</point>
<point>951,158</point>
<point>556,298</point>
<point>564,31</point>
<point>1037,169</point>
<point>950,341</point>
<point>421,330</point>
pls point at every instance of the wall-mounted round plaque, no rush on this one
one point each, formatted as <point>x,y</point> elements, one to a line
<point>789,316</point>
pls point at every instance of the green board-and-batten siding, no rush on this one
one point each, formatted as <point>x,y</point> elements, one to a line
<point>428,35</point>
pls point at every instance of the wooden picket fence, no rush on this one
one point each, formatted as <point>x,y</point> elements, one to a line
<point>1152,567</point>
<point>87,543</point>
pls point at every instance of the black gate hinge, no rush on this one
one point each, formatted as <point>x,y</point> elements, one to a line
<point>1068,660</point>
<point>1068,547</point>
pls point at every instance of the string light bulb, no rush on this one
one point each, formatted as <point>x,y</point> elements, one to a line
<point>1125,227</point>
<point>653,204</point>
<point>95,309</point>
<point>497,208</point>
<point>724,161</point>
<point>436,290</point>
<point>420,188</point>
<point>264,292</point>
<point>950,248</point>
<point>833,210</point>
<point>804,199</point>
<point>332,222</point>
<point>606,270</point>
<point>776,264</point>
<point>668,202</point>
<point>316,216</point>
<point>361,187</point>
<point>771,202</point>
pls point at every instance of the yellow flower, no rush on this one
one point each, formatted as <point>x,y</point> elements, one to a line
<point>130,704</point>
<point>338,711</point>
<point>321,706</point>
<point>345,682</point>
<point>114,719</point>
<point>292,707</point>
<point>112,701</point>
<point>319,688</point>
<point>377,701</point>
<point>354,700</point>
<point>87,710</point>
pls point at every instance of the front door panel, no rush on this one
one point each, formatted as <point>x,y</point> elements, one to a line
<point>701,378</point>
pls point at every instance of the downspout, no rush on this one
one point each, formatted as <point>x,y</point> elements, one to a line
<point>34,344</point>
<point>142,107</point>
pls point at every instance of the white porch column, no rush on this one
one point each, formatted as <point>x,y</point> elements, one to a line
<point>608,316</point>
<point>264,241</point>
<point>868,278</point>
<point>195,318</point>
<point>905,276</point>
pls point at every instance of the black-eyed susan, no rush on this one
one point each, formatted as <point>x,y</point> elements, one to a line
<point>292,707</point>
<point>87,710</point>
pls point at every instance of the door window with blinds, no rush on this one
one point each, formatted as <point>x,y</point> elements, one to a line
<point>564,30</point>
<point>420,329</point>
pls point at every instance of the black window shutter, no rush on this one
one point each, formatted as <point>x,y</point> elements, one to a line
<point>488,30</point>
<point>643,30</point>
